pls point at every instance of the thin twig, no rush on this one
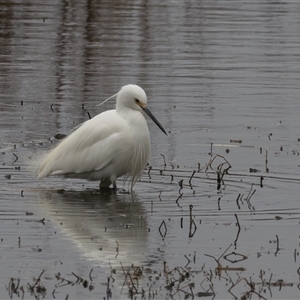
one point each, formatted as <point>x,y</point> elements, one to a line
<point>79,279</point>
<point>38,279</point>
<point>159,195</point>
<point>239,229</point>
<point>188,261</point>
<point>90,275</point>
<point>180,196</point>
<point>191,234</point>
<point>237,201</point>
<point>150,168</point>
<point>190,180</point>
<point>165,164</point>
<point>180,183</point>
<point>163,223</point>
<point>15,157</point>
<point>117,249</point>
<point>277,245</point>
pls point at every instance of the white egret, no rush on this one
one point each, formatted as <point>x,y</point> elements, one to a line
<point>114,143</point>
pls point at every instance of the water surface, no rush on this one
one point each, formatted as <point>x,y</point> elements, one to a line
<point>222,78</point>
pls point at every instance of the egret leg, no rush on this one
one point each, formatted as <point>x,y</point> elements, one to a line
<point>105,183</point>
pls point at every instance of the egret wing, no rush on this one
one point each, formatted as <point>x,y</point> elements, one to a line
<point>91,147</point>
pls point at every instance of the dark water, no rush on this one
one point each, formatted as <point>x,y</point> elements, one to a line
<point>223,78</point>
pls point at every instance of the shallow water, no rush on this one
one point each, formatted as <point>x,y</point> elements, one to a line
<point>222,78</point>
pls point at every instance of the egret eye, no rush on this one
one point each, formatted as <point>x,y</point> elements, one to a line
<point>137,101</point>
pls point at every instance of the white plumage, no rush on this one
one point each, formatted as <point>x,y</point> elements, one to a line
<point>112,144</point>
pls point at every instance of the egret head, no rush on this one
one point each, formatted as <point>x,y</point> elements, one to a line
<point>134,97</point>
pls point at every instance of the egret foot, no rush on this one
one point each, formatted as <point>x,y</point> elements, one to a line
<point>105,185</point>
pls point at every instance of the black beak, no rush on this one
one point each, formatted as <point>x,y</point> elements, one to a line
<point>148,112</point>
